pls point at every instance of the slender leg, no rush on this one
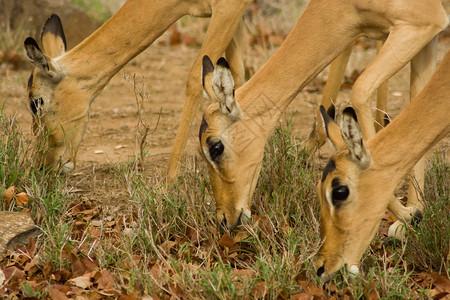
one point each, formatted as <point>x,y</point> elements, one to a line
<point>382,96</point>
<point>234,55</point>
<point>226,16</point>
<point>317,137</point>
<point>391,58</point>
<point>422,68</point>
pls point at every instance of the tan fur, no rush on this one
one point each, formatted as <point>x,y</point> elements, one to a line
<point>347,230</point>
<point>320,35</point>
<point>81,73</point>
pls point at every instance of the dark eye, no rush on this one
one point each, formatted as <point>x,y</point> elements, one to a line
<point>340,193</point>
<point>216,150</point>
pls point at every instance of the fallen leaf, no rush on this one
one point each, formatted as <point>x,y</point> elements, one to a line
<point>57,295</point>
<point>2,277</point>
<point>105,282</point>
<point>22,199</point>
<point>244,272</point>
<point>9,194</point>
<point>259,290</point>
<point>300,296</point>
<point>226,241</point>
<point>82,282</point>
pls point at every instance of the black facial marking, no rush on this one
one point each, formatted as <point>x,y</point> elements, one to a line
<point>203,127</point>
<point>30,81</point>
<point>54,26</point>
<point>35,104</point>
<point>339,192</point>
<point>330,167</point>
<point>216,148</point>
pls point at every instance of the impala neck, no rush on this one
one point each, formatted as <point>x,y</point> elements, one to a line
<point>320,35</point>
<point>423,123</point>
<point>131,30</point>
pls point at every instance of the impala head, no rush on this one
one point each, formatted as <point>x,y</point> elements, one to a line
<point>352,200</point>
<point>224,139</point>
<point>52,98</point>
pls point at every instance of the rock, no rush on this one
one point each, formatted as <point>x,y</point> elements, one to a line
<point>16,228</point>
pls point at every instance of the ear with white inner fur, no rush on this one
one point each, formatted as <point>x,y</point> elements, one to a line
<point>223,87</point>
<point>332,130</point>
<point>351,133</point>
<point>42,61</point>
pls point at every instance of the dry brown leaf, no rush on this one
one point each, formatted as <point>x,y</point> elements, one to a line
<point>78,267</point>
<point>226,241</point>
<point>441,283</point>
<point>57,294</point>
<point>301,296</point>
<point>259,290</point>
<point>9,194</point>
<point>22,199</point>
<point>89,264</point>
<point>244,272</point>
<point>370,292</point>
<point>82,282</point>
<point>106,281</point>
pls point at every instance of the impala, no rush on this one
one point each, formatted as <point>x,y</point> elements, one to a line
<point>234,130</point>
<point>63,84</point>
<point>359,181</point>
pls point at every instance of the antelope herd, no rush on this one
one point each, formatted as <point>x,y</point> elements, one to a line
<point>359,180</point>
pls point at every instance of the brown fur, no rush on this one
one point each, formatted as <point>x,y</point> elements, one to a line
<point>320,35</point>
<point>68,82</point>
<point>347,230</point>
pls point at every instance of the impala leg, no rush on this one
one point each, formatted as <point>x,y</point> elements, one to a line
<point>224,21</point>
<point>392,57</point>
<point>234,55</point>
<point>403,214</point>
<point>382,96</point>
<point>422,68</point>
<point>317,137</point>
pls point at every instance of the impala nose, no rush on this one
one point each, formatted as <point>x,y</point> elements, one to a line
<point>321,270</point>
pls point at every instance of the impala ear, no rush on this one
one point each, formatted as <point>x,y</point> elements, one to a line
<point>332,129</point>
<point>207,75</point>
<point>41,61</point>
<point>53,38</point>
<point>223,87</point>
<point>351,133</point>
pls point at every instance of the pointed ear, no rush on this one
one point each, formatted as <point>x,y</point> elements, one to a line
<point>223,87</point>
<point>207,75</point>
<point>44,63</point>
<point>351,133</point>
<point>52,37</point>
<point>332,129</point>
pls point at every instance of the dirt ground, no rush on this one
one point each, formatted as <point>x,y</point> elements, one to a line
<point>110,137</point>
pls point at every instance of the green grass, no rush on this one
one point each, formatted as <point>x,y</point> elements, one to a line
<point>170,243</point>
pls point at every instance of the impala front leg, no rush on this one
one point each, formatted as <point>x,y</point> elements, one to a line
<point>392,57</point>
<point>225,19</point>
<point>317,137</point>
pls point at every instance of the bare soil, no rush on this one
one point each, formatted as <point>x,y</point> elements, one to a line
<point>110,137</point>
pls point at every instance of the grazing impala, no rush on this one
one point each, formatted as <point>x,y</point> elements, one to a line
<point>359,181</point>
<point>64,84</point>
<point>233,132</point>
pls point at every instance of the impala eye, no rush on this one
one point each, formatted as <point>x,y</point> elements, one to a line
<point>340,193</point>
<point>216,150</point>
